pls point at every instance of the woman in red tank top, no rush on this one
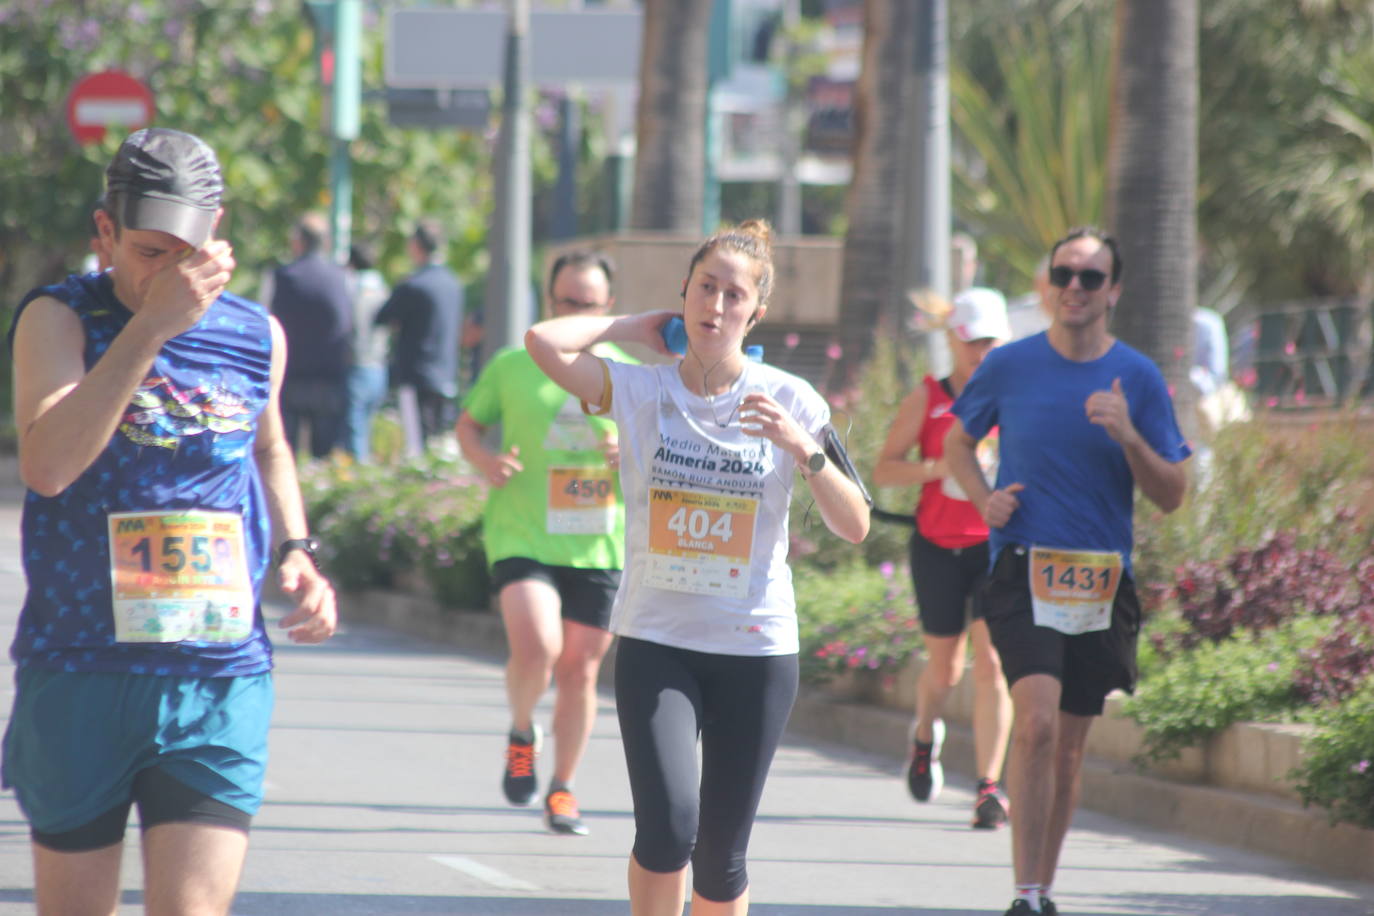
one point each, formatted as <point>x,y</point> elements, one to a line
<point>949,559</point>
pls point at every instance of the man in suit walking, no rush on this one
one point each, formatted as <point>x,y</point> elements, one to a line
<point>425,312</point>
<point>311,300</point>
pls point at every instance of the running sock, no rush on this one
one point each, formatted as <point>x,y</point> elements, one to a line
<point>525,735</point>
<point>1029,893</point>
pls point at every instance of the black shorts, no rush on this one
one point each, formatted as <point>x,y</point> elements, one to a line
<point>586,595</point>
<point>161,799</point>
<point>948,582</point>
<point>1088,666</point>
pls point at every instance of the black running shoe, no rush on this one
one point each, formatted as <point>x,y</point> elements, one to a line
<point>518,781</point>
<point>924,774</point>
<point>990,810</point>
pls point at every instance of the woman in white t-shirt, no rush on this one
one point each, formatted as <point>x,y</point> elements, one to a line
<point>705,611</point>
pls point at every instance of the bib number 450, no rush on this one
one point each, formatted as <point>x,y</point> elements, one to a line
<point>597,488</point>
<point>696,524</point>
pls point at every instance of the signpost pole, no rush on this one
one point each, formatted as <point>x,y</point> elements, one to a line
<point>345,121</point>
<point>508,284</point>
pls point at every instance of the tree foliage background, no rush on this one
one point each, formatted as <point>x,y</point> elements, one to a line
<point>1286,136</point>
<point>1030,88</point>
<point>1286,145</point>
<point>243,75</point>
<point>1285,139</point>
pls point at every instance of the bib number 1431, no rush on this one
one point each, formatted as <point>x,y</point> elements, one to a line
<point>1073,591</point>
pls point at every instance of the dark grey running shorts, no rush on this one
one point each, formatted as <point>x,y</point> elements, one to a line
<point>1088,666</point>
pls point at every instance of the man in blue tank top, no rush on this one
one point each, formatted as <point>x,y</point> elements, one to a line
<point>151,444</point>
<point>1083,420</point>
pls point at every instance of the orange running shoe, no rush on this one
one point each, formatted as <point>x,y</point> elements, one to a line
<point>561,814</point>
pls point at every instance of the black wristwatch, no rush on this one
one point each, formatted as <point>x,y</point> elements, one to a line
<point>309,545</point>
<point>815,462</point>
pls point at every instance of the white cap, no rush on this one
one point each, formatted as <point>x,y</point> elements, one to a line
<point>980,312</point>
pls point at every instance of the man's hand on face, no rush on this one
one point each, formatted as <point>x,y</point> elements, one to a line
<point>179,294</point>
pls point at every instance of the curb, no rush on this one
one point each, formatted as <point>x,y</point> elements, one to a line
<point>1257,823</point>
<point>1264,824</point>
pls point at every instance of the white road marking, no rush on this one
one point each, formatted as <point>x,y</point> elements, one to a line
<point>485,873</point>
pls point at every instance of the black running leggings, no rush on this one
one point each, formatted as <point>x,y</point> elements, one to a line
<point>665,698</point>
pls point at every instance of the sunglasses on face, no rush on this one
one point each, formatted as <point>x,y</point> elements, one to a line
<point>1089,279</point>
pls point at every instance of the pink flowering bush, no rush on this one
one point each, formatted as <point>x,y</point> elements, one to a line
<point>854,616</point>
<point>376,520</point>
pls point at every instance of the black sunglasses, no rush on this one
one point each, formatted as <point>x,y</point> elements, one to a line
<point>1089,279</point>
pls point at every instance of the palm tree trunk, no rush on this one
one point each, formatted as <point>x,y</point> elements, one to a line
<point>1152,185</point>
<point>871,272</point>
<point>670,177</point>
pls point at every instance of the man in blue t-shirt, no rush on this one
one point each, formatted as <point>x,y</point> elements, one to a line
<point>1083,420</point>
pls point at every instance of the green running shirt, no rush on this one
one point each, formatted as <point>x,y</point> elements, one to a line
<point>548,425</point>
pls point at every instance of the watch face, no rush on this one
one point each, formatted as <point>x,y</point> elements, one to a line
<point>308,546</point>
<point>816,463</point>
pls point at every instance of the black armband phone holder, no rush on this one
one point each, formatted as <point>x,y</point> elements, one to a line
<point>834,450</point>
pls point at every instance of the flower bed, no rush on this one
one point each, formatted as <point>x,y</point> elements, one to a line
<point>415,521</point>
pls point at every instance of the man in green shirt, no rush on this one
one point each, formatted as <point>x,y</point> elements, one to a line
<point>554,533</point>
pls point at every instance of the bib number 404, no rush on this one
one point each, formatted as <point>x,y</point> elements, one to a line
<point>696,524</point>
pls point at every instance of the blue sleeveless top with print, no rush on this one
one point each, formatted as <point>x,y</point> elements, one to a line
<point>185,442</point>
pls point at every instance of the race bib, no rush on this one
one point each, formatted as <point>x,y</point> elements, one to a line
<point>1073,591</point>
<point>700,543</point>
<point>570,431</point>
<point>180,575</point>
<point>581,501</point>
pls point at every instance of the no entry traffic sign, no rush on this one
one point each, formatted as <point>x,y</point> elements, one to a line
<point>111,98</point>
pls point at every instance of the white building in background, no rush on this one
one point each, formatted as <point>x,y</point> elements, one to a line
<point>750,101</point>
